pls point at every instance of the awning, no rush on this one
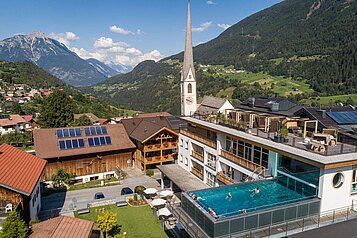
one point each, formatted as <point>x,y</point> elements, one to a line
<point>182,178</point>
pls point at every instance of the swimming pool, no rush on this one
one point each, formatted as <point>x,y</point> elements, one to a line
<point>243,198</point>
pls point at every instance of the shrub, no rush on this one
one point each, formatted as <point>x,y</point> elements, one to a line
<point>149,172</point>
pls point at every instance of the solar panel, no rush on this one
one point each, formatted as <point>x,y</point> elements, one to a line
<point>78,131</point>
<point>87,131</point>
<point>81,143</point>
<point>102,140</point>
<point>59,133</point>
<point>91,142</point>
<point>98,130</point>
<point>108,140</point>
<point>93,131</point>
<point>72,132</point>
<point>65,133</point>
<point>104,130</point>
<point>344,117</point>
<point>69,144</point>
<point>96,141</point>
<point>75,144</point>
<point>62,145</point>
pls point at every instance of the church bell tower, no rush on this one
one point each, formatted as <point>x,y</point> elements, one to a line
<point>188,75</point>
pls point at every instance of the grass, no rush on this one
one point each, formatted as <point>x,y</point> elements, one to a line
<point>135,221</point>
<point>326,101</point>
<point>94,184</point>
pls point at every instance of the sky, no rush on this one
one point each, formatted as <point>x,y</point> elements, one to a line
<point>124,31</point>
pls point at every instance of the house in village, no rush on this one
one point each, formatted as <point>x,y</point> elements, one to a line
<point>20,174</point>
<point>11,123</point>
<point>88,152</point>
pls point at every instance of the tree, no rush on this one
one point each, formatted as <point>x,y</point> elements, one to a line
<point>62,177</point>
<point>57,110</point>
<point>16,108</point>
<point>14,227</point>
<point>107,222</point>
<point>82,121</point>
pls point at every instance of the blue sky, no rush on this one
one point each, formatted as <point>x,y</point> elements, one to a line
<point>123,31</point>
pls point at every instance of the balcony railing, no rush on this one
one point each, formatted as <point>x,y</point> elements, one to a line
<point>201,139</point>
<point>197,156</point>
<point>164,145</point>
<point>224,178</point>
<point>158,159</point>
<point>197,172</point>
<point>243,162</point>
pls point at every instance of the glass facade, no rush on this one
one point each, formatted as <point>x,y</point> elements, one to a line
<point>354,180</point>
<point>211,161</point>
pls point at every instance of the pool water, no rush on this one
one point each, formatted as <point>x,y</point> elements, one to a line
<point>244,199</point>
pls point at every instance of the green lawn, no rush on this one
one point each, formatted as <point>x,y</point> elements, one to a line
<point>326,101</point>
<point>94,184</point>
<point>135,221</point>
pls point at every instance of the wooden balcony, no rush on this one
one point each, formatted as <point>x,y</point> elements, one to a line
<point>197,172</point>
<point>197,156</point>
<point>224,178</point>
<point>163,146</point>
<point>157,159</point>
<point>242,161</point>
<point>201,139</point>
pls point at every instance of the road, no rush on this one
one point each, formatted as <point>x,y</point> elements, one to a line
<point>62,202</point>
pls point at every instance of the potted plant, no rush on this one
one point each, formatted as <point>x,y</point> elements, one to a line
<point>282,136</point>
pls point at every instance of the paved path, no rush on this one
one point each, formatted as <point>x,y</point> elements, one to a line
<point>62,202</point>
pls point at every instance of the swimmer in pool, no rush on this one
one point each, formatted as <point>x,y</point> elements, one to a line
<point>229,196</point>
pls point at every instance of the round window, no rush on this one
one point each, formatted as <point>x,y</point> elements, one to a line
<point>338,180</point>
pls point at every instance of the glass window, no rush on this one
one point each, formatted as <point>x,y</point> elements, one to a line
<point>338,180</point>
<point>210,179</point>
<point>211,161</point>
<point>189,87</point>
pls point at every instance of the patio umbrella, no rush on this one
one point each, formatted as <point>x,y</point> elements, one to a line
<point>158,202</point>
<point>166,193</point>
<point>150,191</point>
<point>164,212</point>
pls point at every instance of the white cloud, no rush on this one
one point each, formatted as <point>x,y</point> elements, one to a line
<point>120,30</point>
<point>65,37</point>
<point>210,2</point>
<point>224,26</point>
<point>204,26</point>
<point>109,51</point>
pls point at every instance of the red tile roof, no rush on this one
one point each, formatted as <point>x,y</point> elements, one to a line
<point>27,118</point>
<point>62,227</point>
<point>154,114</point>
<point>19,170</point>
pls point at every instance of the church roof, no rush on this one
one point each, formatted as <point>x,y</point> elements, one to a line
<point>211,104</point>
<point>188,54</point>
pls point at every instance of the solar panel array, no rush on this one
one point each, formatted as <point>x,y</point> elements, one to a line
<point>77,143</point>
<point>99,141</point>
<point>71,144</point>
<point>344,117</point>
<point>69,132</point>
<point>96,130</point>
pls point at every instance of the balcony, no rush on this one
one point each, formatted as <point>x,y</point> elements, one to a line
<point>224,178</point>
<point>158,159</point>
<point>201,139</point>
<point>197,156</point>
<point>197,172</point>
<point>164,145</point>
<point>243,162</point>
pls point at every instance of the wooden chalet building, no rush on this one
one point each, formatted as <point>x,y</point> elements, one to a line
<point>20,174</point>
<point>88,152</point>
<point>156,139</point>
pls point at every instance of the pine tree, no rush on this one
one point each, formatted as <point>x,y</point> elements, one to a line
<point>14,227</point>
<point>57,110</point>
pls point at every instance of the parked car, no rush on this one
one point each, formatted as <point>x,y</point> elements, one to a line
<point>139,189</point>
<point>126,191</point>
<point>99,195</point>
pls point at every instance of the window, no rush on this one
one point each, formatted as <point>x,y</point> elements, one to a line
<point>186,145</point>
<point>210,179</point>
<point>186,161</point>
<point>338,180</point>
<point>354,180</point>
<point>189,88</point>
<point>181,142</point>
<point>211,161</point>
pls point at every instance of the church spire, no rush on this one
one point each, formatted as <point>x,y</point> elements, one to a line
<point>188,54</point>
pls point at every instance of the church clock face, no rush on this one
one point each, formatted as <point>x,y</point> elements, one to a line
<point>189,100</point>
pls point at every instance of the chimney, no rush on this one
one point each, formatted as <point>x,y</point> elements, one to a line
<point>322,113</point>
<point>253,102</point>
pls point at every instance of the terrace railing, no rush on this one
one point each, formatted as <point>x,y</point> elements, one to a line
<point>197,172</point>
<point>197,156</point>
<point>201,139</point>
<point>224,178</point>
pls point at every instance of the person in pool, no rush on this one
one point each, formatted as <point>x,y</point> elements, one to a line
<point>255,191</point>
<point>229,196</point>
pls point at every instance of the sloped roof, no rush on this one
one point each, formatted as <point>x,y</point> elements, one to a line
<point>326,121</point>
<point>12,120</point>
<point>211,104</point>
<point>153,114</point>
<point>46,142</point>
<point>19,170</point>
<point>140,129</point>
<point>62,227</point>
<point>91,116</point>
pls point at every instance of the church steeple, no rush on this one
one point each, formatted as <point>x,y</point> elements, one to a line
<point>188,54</point>
<point>188,75</point>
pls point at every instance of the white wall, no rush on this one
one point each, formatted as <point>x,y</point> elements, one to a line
<point>332,198</point>
<point>35,201</point>
<point>184,152</point>
<point>226,106</point>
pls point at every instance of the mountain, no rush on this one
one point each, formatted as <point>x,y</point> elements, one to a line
<point>311,40</point>
<point>52,56</point>
<point>120,67</point>
<point>28,73</point>
<point>103,68</point>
